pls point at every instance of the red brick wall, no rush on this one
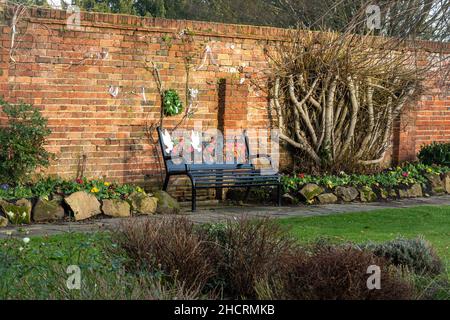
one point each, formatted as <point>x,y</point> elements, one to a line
<point>66,74</point>
<point>59,70</point>
<point>426,121</point>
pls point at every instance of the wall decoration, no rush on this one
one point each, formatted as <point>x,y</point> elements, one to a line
<point>113,91</point>
<point>207,54</point>
<point>143,95</point>
<point>172,104</point>
<point>195,141</point>
<point>167,140</point>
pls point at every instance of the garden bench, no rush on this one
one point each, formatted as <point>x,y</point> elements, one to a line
<point>221,176</point>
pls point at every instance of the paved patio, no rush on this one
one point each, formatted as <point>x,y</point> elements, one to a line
<point>220,213</point>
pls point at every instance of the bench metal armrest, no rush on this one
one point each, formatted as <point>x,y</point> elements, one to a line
<point>215,167</point>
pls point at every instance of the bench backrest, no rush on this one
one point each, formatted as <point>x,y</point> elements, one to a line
<point>179,165</point>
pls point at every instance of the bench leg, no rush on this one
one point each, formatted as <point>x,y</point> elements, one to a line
<point>166,182</point>
<point>279,194</point>
<point>247,193</point>
<point>194,199</point>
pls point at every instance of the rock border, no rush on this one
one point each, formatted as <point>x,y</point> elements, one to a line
<point>313,193</point>
<point>82,205</point>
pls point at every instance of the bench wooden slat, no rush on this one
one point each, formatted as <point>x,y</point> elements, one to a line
<point>225,175</point>
<point>241,183</point>
<point>229,173</point>
<point>234,185</point>
<point>234,178</point>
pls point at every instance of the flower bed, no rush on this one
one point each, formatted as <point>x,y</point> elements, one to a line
<point>411,180</point>
<point>56,199</point>
<point>49,187</point>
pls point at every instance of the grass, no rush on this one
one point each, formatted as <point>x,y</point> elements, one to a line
<point>432,222</point>
<point>37,263</point>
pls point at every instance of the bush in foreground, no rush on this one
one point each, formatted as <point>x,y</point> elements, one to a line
<point>168,246</point>
<point>416,254</point>
<point>340,273</point>
<point>247,251</point>
<point>37,270</point>
<point>251,259</point>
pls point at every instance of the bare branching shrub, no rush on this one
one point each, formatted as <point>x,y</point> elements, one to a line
<point>335,97</point>
<point>252,259</point>
<point>168,245</point>
<point>249,252</point>
<point>340,273</point>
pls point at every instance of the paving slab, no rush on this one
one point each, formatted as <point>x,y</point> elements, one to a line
<point>222,213</point>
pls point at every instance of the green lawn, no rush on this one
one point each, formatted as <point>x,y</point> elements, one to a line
<point>35,269</point>
<point>432,222</point>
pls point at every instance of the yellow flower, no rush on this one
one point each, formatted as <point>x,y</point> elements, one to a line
<point>139,189</point>
<point>107,184</point>
<point>429,170</point>
<point>94,190</point>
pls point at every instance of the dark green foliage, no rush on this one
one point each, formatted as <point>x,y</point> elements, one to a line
<point>435,153</point>
<point>113,6</point>
<point>172,103</point>
<point>402,18</point>
<point>22,142</point>
<point>416,254</point>
<point>424,19</point>
<point>55,186</point>
<point>405,175</point>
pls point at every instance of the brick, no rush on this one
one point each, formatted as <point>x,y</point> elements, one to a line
<point>63,73</point>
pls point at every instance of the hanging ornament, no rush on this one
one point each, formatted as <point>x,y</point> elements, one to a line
<point>207,54</point>
<point>143,95</point>
<point>113,91</point>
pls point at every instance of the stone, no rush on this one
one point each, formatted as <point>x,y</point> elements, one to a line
<point>166,203</point>
<point>47,210</point>
<point>3,222</point>
<point>367,195</point>
<point>388,193</point>
<point>116,208</point>
<point>143,203</point>
<point>84,205</point>
<point>18,213</point>
<point>57,197</point>
<point>437,185</point>
<point>447,182</point>
<point>2,203</point>
<point>289,199</point>
<point>411,192</point>
<point>327,198</point>
<point>384,194</point>
<point>348,194</point>
<point>393,193</point>
<point>310,191</point>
